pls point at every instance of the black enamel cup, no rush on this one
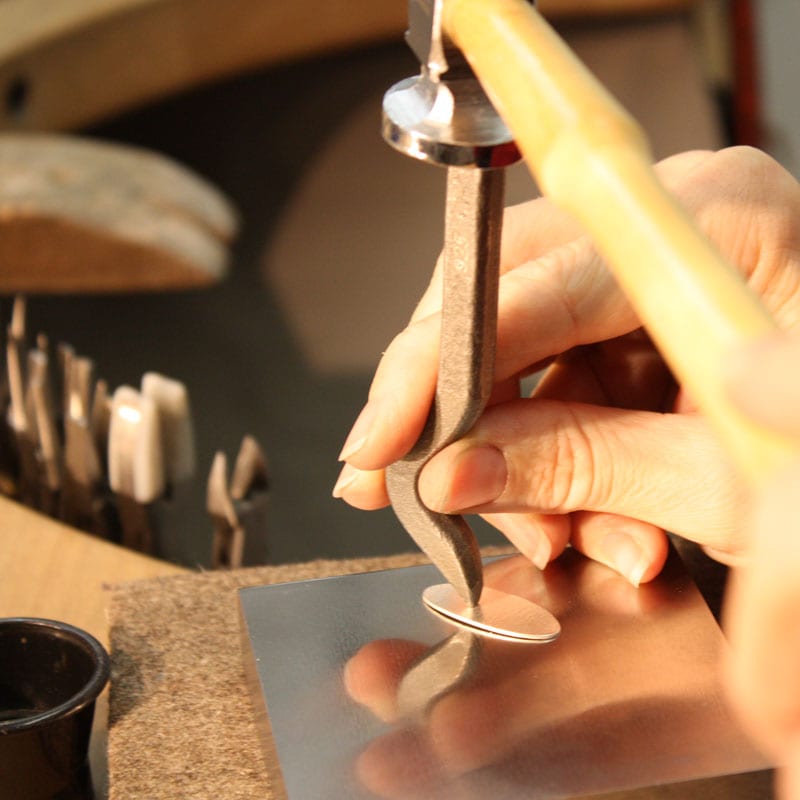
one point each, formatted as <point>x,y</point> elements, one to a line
<point>50,676</point>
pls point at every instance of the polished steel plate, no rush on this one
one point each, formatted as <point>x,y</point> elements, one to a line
<point>629,695</point>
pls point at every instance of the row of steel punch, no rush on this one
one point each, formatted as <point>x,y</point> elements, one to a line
<point>116,464</point>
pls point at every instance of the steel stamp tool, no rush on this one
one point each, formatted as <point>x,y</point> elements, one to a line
<point>443,117</point>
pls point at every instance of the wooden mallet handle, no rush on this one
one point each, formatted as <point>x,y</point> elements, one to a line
<point>591,158</point>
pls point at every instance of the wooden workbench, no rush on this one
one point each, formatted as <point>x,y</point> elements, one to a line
<point>46,45</point>
<point>51,570</point>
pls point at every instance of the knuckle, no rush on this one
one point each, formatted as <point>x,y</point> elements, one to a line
<point>734,170</point>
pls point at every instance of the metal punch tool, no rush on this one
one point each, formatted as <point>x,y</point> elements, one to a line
<point>238,509</point>
<point>442,116</point>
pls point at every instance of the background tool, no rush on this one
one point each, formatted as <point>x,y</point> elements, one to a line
<point>101,418</point>
<point>135,465</point>
<point>227,546</point>
<point>83,215</point>
<point>120,467</point>
<point>238,510</point>
<point>27,487</point>
<point>83,502</point>
<point>171,510</point>
<point>65,353</point>
<point>176,428</point>
<point>42,415</point>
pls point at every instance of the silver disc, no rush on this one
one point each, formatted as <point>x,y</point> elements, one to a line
<point>498,614</point>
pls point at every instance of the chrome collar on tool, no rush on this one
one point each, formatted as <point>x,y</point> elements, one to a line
<point>442,115</point>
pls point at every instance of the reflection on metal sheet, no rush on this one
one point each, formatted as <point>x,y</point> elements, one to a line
<point>628,696</point>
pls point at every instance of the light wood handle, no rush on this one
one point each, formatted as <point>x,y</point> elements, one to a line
<point>591,158</point>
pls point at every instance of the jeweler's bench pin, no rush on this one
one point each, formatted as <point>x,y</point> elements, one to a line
<point>443,117</point>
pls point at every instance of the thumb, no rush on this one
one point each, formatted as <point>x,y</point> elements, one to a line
<point>556,457</point>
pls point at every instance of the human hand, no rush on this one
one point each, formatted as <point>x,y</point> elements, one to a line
<point>762,610</point>
<point>592,458</point>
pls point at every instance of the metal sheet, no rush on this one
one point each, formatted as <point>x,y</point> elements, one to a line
<point>629,696</point>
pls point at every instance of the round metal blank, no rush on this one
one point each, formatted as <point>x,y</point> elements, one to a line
<point>499,615</point>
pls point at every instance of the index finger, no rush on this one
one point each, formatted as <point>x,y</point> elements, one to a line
<point>565,298</point>
<point>555,293</point>
<point>530,230</point>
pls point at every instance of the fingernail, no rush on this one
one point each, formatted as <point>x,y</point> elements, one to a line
<point>358,687</point>
<point>626,557</point>
<point>476,477</point>
<point>346,477</point>
<point>542,551</point>
<point>359,433</point>
<point>526,536</point>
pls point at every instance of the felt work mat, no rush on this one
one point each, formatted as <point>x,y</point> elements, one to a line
<point>181,721</point>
